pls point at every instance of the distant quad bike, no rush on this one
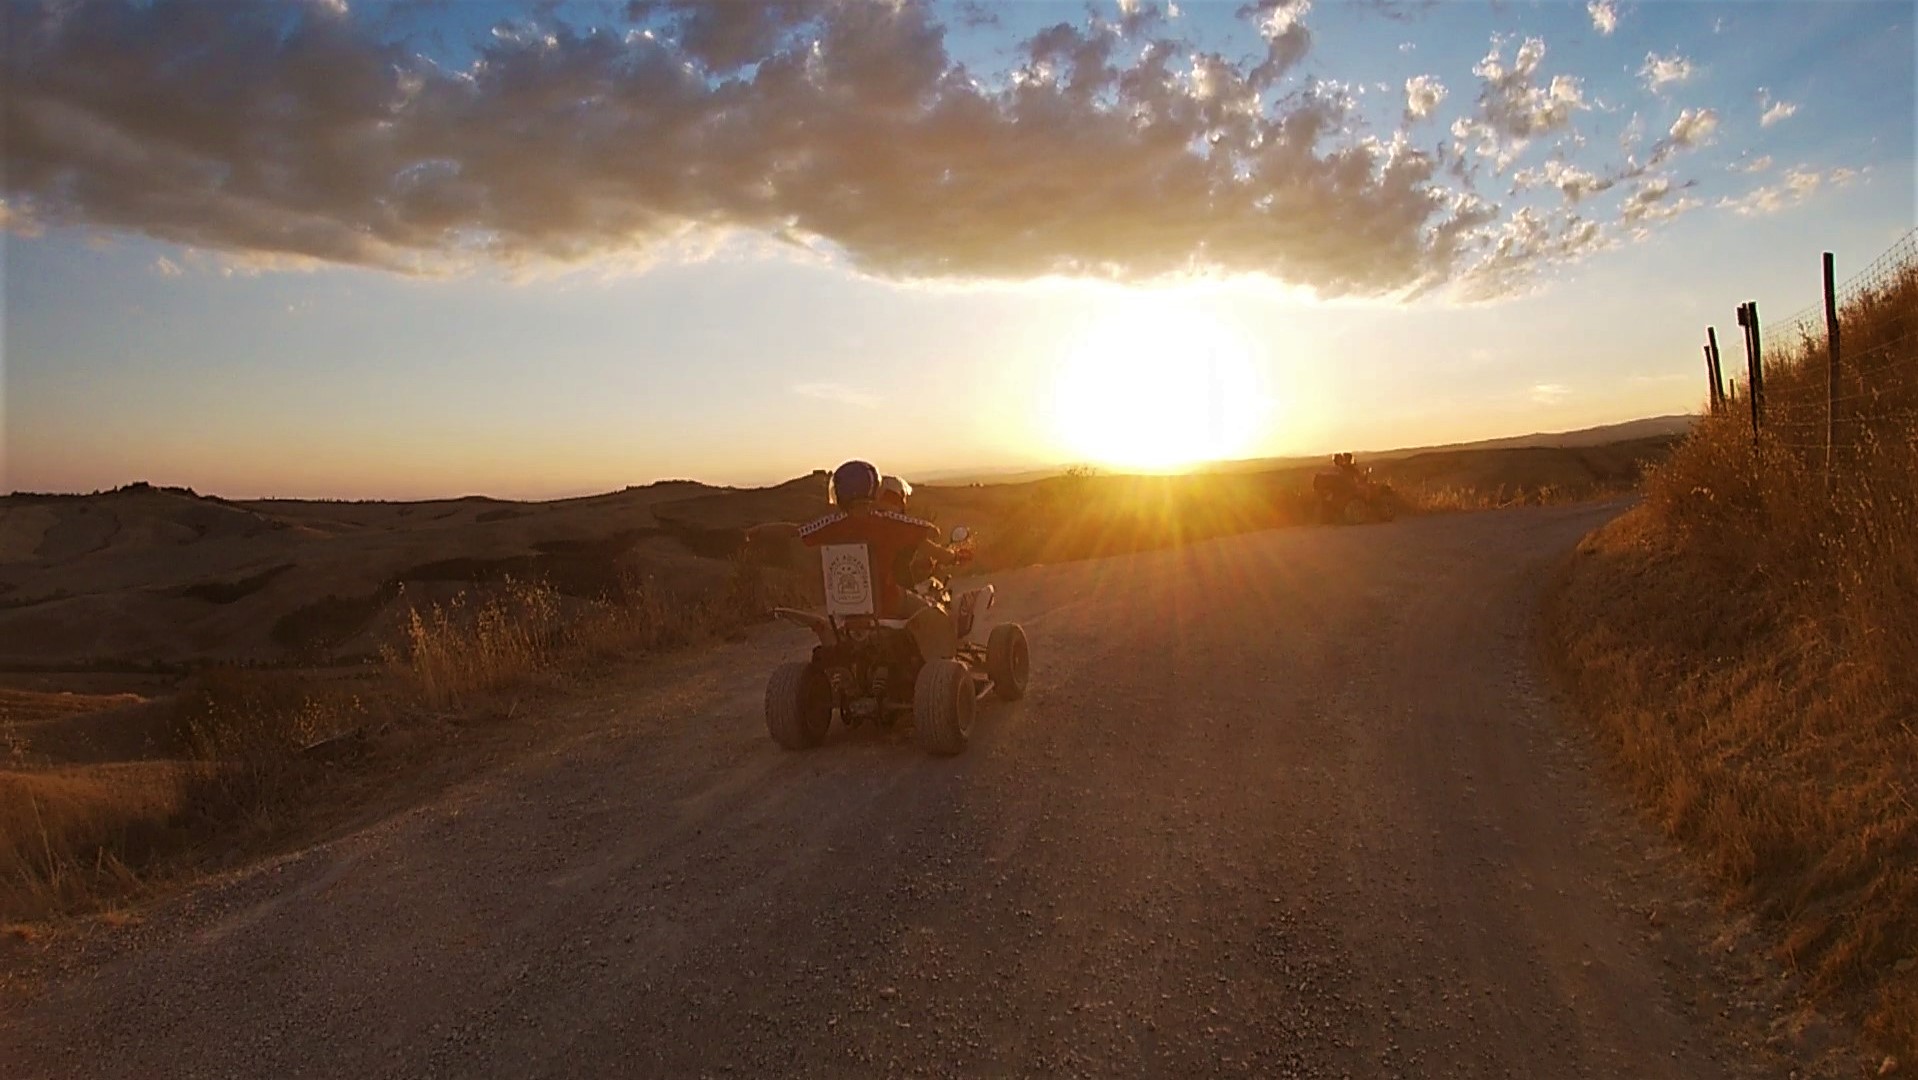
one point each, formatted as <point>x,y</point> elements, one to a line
<point>1347,494</point>
<point>868,668</point>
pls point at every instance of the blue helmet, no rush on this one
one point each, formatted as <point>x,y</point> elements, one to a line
<point>851,482</point>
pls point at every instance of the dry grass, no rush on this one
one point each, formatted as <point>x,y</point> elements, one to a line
<point>456,652</point>
<point>257,751</point>
<point>66,834</point>
<point>1747,640</point>
<point>1084,515</point>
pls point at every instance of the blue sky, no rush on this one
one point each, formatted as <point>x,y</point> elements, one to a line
<point>556,272</point>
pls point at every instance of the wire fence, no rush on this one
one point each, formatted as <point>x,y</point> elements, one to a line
<point>1808,323</point>
<point>1835,375</point>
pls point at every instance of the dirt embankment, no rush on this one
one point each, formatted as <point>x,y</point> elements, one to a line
<point>1746,644</point>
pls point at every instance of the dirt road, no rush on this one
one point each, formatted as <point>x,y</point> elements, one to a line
<point>1286,804</point>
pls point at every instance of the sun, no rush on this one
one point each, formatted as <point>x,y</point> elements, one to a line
<point>1159,386</point>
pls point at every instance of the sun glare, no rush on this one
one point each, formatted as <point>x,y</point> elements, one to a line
<point>1160,387</point>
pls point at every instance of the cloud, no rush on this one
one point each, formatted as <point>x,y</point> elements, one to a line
<point>1407,46</point>
<point>1774,111</point>
<point>1797,185</point>
<point>1423,93</point>
<point>166,267</point>
<point>1755,165</point>
<point>1528,242</point>
<point>1656,199</point>
<point>276,135</point>
<point>1514,104</point>
<point>17,221</point>
<point>1550,393</point>
<point>1287,39</point>
<point>1693,128</point>
<point>1660,72</point>
<point>1633,134</point>
<point>1604,15</point>
<point>838,394</point>
<point>1571,181</point>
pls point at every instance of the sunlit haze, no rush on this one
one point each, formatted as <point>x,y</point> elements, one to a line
<point>325,249</point>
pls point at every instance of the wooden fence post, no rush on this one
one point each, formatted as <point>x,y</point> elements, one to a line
<point>1831,372</point>
<point>1752,385</point>
<point>1717,370</point>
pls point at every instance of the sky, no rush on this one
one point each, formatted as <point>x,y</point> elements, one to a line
<point>348,249</point>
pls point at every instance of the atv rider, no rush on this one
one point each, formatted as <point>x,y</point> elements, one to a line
<point>912,567</point>
<point>896,540</point>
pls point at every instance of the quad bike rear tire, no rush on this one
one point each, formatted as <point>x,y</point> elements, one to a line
<point>943,701</point>
<point>1356,512</point>
<point>1008,661</point>
<point>798,705</point>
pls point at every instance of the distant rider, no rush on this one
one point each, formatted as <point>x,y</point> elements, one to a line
<point>893,539</point>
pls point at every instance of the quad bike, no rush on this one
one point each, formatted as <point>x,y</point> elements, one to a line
<point>869,668</point>
<point>1349,495</point>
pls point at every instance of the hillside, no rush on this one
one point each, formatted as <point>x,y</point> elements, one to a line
<point>1745,644</point>
<point>146,577</point>
<point>1656,427</point>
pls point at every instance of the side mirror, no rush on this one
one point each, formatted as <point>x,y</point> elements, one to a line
<point>961,534</point>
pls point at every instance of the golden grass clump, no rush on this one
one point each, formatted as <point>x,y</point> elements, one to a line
<point>1748,642</point>
<point>65,833</point>
<point>247,750</point>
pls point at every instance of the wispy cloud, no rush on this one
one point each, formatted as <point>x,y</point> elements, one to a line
<point>838,394</point>
<point>1571,181</point>
<point>1550,393</point>
<point>13,219</point>
<point>1660,72</point>
<point>1604,15</point>
<point>166,267</point>
<point>1774,111</point>
<point>1517,102</point>
<point>1693,128</point>
<point>1657,199</point>
<point>1797,185</point>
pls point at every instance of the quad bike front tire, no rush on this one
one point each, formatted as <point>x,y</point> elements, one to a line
<point>1356,512</point>
<point>798,705</point>
<point>943,702</point>
<point>1008,661</point>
